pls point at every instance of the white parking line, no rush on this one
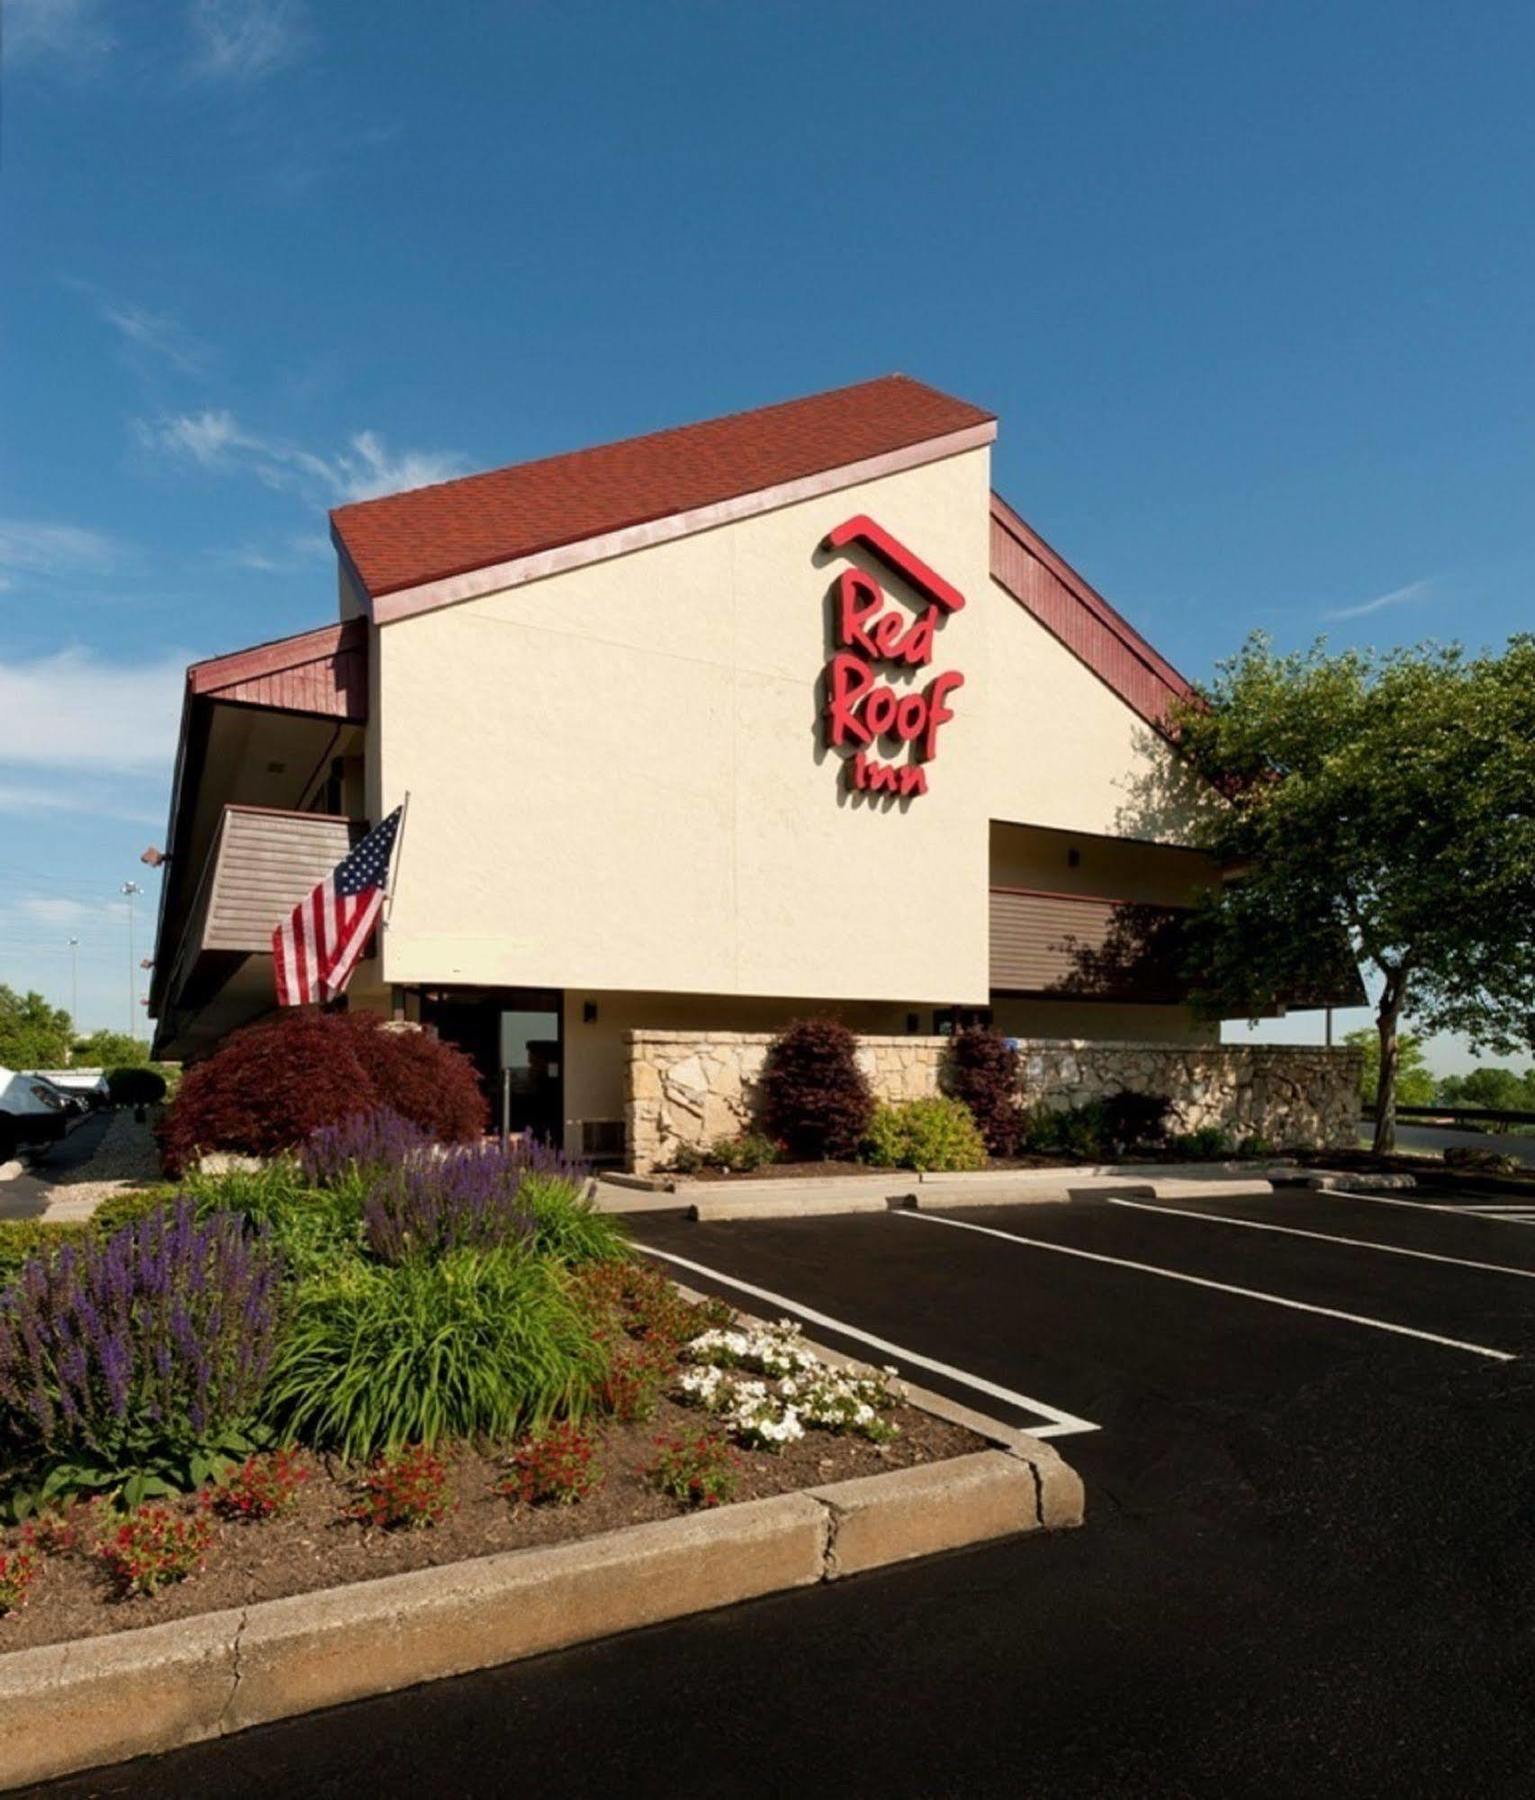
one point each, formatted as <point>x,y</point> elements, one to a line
<point>1428,1206</point>
<point>1062,1424</point>
<point>1121,1262</point>
<point>1325,1237</point>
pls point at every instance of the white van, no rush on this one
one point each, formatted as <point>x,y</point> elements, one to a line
<point>32,1111</point>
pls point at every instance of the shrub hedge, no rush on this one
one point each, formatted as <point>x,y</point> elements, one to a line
<point>982,1069</point>
<point>268,1087</point>
<point>814,1098</point>
<point>935,1133</point>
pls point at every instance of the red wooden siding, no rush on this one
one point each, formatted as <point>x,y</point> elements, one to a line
<point>324,672</point>
<point>1051,590</point>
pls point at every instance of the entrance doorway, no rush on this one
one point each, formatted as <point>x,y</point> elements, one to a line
<point>516,1030</point>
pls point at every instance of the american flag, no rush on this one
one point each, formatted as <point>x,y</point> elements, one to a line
<point>316,947</point>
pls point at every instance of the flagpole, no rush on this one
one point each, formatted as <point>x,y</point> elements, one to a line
<point>394,861</point>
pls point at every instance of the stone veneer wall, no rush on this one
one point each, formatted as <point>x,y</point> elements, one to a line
<point>691,1087</point>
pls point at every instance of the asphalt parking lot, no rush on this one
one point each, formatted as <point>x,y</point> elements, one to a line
<point>1305,1424</point>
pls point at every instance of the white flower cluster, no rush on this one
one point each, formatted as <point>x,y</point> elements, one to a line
<point>804,1391</point>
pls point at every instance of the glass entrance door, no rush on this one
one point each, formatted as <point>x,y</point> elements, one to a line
<point>513,1036</point>
<point>530,1078</point>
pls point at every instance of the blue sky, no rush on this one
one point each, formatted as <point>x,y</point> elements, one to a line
<point>1250,286</point>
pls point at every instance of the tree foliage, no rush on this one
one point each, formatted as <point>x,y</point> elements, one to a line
<point>110,1050</point>
<point>33,1034</point>
<point>1415,1084</point>
<point>1382,800</point>
<point>1498,1090</point>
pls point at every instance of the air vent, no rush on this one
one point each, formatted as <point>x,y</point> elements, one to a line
<point>602,1140</point>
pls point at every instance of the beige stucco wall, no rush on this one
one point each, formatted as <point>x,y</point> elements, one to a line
<point>694,1087</point>
<point>617,782</point>
<point>1076,862</point>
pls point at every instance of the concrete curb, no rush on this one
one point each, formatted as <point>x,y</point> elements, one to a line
<point>81,1704</point>
<point>934,1193</point>
<point>788,1206</point>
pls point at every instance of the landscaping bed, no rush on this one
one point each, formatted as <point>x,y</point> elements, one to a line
<point>316,1545</point>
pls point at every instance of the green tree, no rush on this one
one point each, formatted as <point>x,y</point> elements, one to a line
<point>1499,1090</point>
<point>1385,801</point>
<point>33,1034</point>
<point>1415,1086</point>
<point>110,1050</point>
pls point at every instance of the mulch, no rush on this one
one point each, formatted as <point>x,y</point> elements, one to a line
<point>830,1171</point>
<point>314,1546</point>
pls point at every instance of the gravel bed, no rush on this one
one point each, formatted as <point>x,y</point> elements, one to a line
<point>126,1157</point>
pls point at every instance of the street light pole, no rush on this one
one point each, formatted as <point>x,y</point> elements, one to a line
<point>130,888</point>
<point>74,985</point>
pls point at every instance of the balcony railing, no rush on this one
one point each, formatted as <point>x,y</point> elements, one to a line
<point>261,864</point>
<point>1082,946</point>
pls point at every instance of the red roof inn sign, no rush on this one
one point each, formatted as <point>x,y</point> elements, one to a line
<point>864,713</point>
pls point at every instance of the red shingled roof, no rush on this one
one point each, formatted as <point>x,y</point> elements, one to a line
<point>432,533</point>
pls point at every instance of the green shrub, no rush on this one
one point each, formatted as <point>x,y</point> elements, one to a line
<point>135,1086</point>
<point>128,1207</point>
<point>1207,1141</point>
<point>566,1225</point>
<point>937,1133</point>
<point>741,1155</point>
<point>22,1239</point>
<point>1253,1145</point>
<point>474,1344</point>
<point>312,1226</point>
<point>1080,1131</point>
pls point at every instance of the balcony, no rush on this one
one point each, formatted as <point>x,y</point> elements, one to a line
<point>261,864</point>
<point>1084,946</point>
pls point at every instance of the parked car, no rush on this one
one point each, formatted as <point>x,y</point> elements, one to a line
<point>32,1111</point>
<point>88,1086</point>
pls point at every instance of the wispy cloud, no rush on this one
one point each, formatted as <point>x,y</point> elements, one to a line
<point>245,40</point>
<point>160,335</point>
<point>1402,596</point>
<point>72,711</point>
<point>32,798</point>
<point>71,32</point>
<point>214,439</point>
<point>42,547</point>
<point>276,558</point>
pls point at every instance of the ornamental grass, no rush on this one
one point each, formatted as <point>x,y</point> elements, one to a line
<point>476,1343</point>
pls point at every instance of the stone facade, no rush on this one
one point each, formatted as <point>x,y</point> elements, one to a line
<point>692,1087</point>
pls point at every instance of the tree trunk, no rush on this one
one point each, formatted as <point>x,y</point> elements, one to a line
<point>1386,1021</point>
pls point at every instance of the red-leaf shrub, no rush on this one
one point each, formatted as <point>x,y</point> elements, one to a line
<point>266,1088</point>
<point>638,1369</point>
<point>156,1545</point>
<point>644,1303</point>
<point>982,1070</point>
<point>263,1487</point>
<point>417,1075</point>
<point>813,1095</point>
<point>18,1571</point>
<point>403,1491</point>
<point>554,1468</point>
<point>698,1467</point>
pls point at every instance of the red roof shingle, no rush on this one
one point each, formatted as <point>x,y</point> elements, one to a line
<point>432,533</point>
